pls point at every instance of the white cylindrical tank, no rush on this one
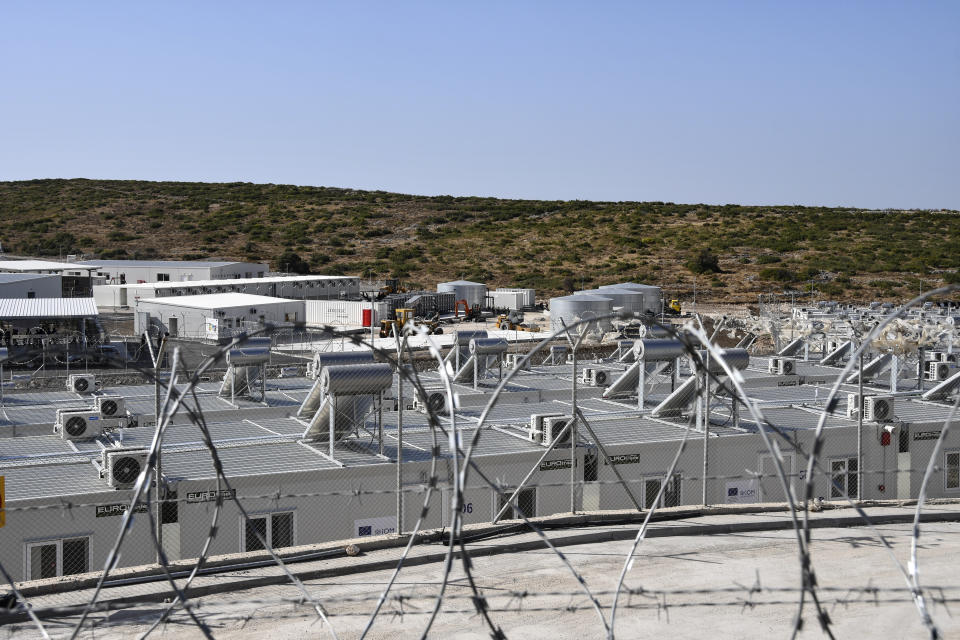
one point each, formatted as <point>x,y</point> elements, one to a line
<point>572,309</point>
<point>626,299</point>
<point>473,292</point>
<point>653,296</point>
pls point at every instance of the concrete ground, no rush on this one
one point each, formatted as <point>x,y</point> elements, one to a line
<point>740,584</point>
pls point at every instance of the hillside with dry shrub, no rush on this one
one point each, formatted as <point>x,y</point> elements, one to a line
<point>729,252</point>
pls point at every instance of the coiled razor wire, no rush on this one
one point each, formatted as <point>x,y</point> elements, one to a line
<point>464,464</point>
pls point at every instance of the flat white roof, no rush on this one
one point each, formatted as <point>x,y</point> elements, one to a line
<point>173,264</point>
<point>47,308</point>
<point>179,284</point>
<point>218,300</point>
<point>43,265</point>
<point>6,278</point>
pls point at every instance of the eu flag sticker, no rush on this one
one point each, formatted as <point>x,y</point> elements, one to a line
<point>366,531</point>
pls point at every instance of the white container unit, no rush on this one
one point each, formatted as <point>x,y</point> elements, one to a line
<point>527,296</point>
<point>507,299</point>
<point>344,312</point>
<point>571,309</point>
<point>473,292</point>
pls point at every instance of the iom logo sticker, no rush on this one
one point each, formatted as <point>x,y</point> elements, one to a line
<point>742,492</point>
<point>375,526</point>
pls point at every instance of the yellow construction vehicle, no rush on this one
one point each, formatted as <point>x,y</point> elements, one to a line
<point>514,322</point>
<point>675,305</point>
<point>402,318</point>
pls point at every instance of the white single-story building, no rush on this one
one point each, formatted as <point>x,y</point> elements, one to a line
<point>134,271</point>
<point>213,315</point>
<point>31,285</point>
<point>306,287</point>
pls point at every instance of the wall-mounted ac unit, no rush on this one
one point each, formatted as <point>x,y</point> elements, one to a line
<point>878,408</point>
<point>81,424</point>
<point>773,365</point>
<point>514,360</point>
<point>785,367</point>
<point>111,406</point>
<point>122,467</point>
<point>596,377</point>
<point>936,371</point>
<point>435,401</point>
<point>535,428</point>
<point>81,383</point>
<point>552,428</point>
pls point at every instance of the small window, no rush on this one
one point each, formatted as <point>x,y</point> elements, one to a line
<point>844,476</point>
<point>163,277</point>
<point>276,529</point>
<point>951,465</point>
<point>31,294</point>
<point>526,501</point>
<point>54,558</point>
<point>590,466</point>
<point>169,509</point>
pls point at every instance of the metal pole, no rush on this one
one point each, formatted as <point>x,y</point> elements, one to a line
<point>333,414</point>
<point>860,431</point>
<point>399,447</point>
<point>380,420</point>
<point>158,469</point>
<point>703,402</point>
<point>573,435</point>
<point>641,381</point>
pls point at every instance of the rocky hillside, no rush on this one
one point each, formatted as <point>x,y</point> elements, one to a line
<point>732,252</point>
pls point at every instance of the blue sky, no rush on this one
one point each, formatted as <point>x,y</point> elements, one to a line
<point>719,102</point>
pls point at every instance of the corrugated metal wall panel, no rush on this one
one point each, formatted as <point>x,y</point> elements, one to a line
<point>342,312</point>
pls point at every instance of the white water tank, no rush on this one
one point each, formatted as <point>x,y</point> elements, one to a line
<point>572,309</point>
<point>626,299</point>
<point>473,292</point>
<point>653,296</point>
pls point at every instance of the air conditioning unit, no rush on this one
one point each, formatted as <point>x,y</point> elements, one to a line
<point>936,371</point>
<point>81,383</point>
<point>514,360</point>
<point>785,367</point>
<point>878,408</point>
<point>122,467</point>
<point>773,365</point>
<point>111,407</point>
<point>552,427</point>
<point>82,424</point>
<point>598,378</point>
<point>935,356</point>
<point>436,401</point>
<point>536,428</point>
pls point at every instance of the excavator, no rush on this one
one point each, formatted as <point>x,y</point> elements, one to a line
<point>469,313</point>
<point>403,317</point>
<point>513,321</point>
